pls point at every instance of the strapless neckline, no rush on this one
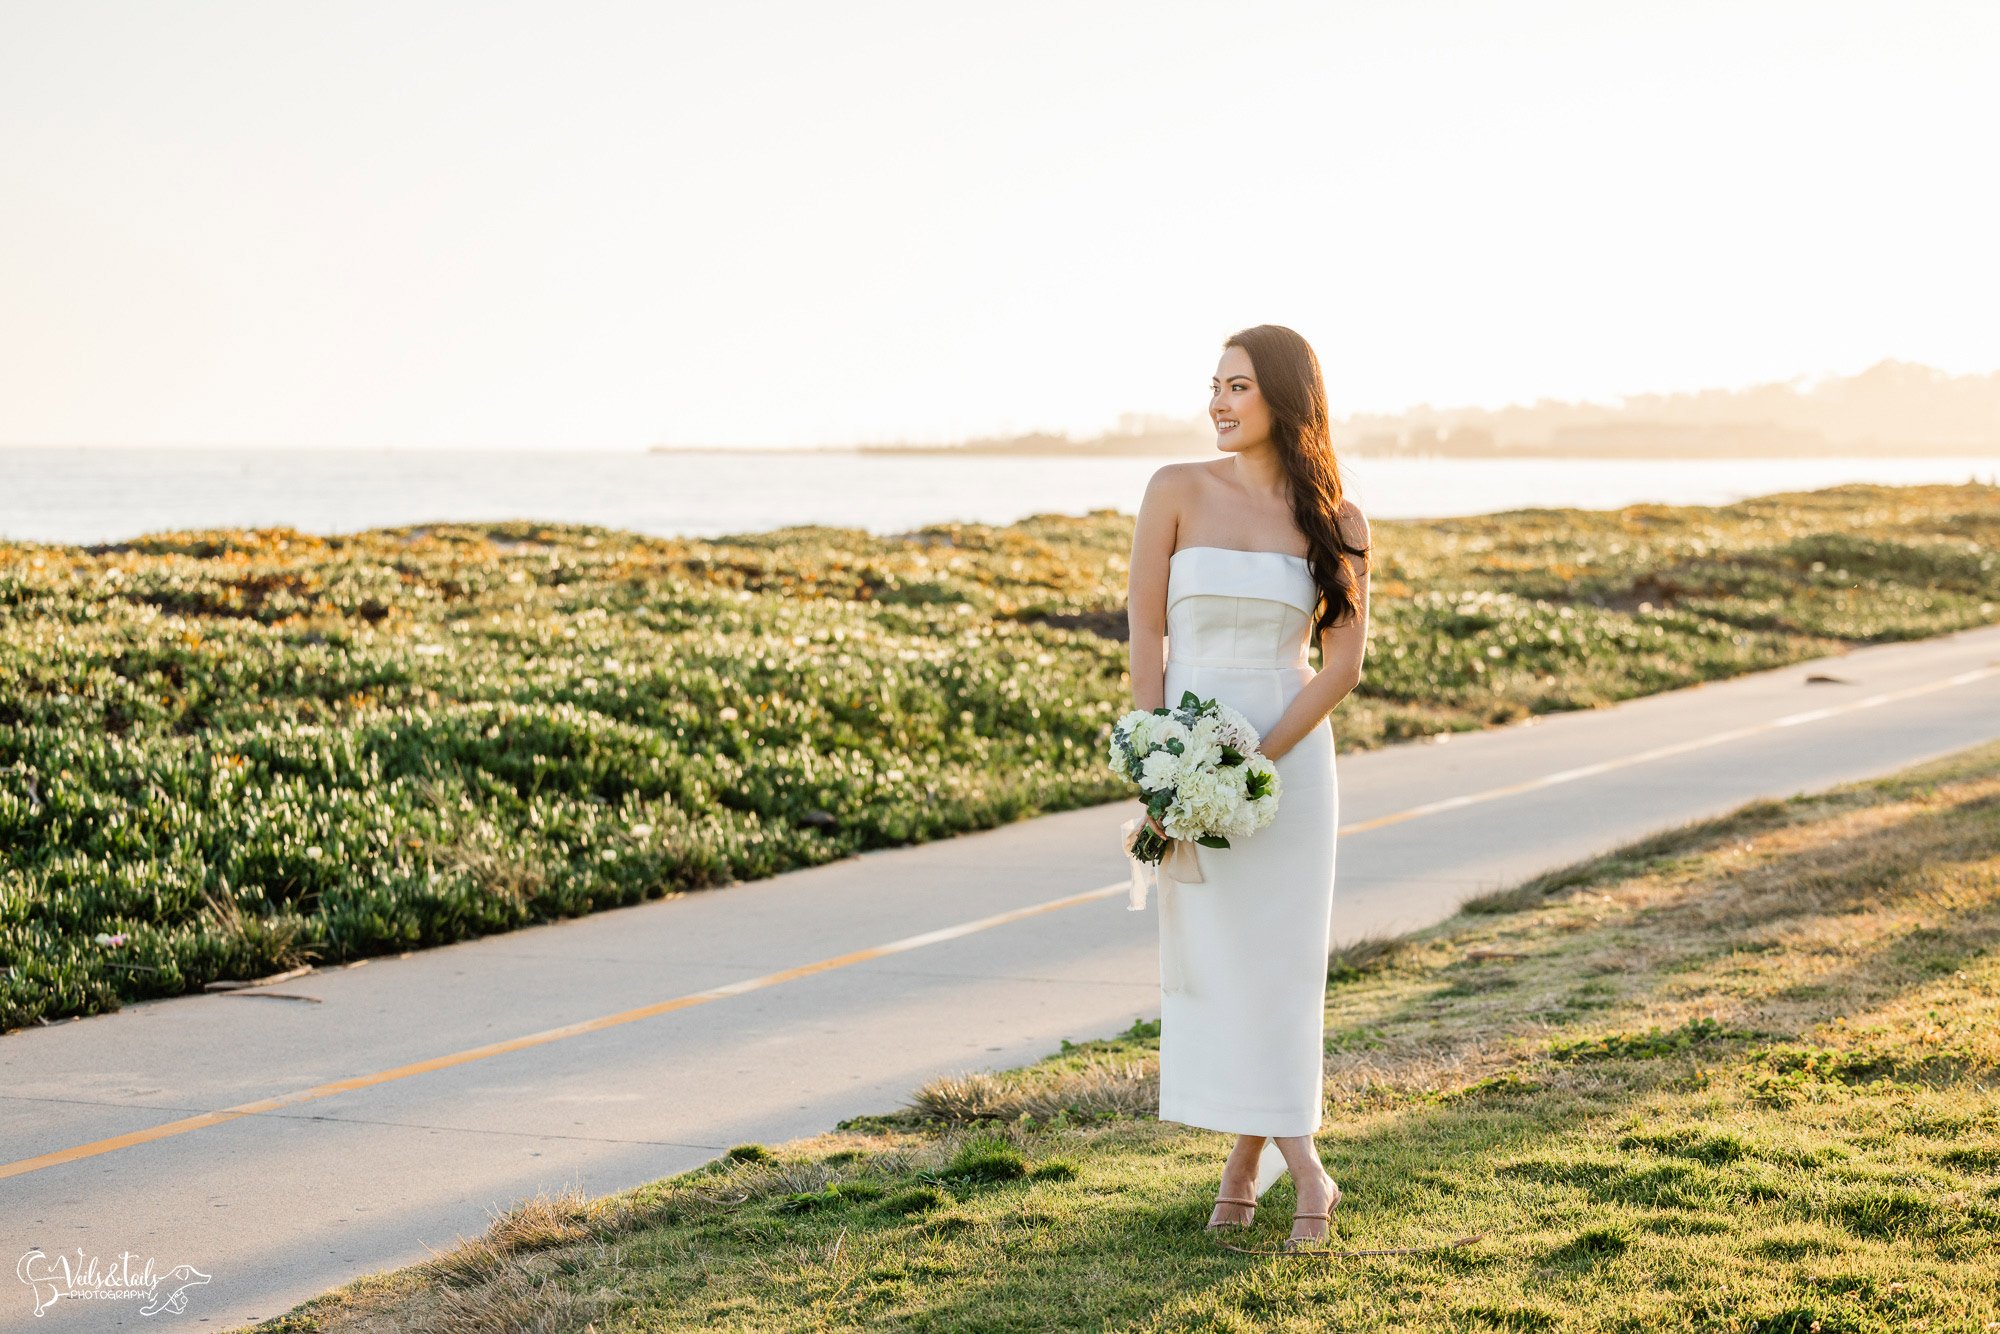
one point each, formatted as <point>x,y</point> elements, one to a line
<point>1282,555</point>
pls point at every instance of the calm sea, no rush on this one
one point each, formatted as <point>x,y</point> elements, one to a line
<point>108,495</point>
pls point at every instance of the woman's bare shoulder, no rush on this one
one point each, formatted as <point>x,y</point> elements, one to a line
<point>1175,484</point>
<point>1184,473</point>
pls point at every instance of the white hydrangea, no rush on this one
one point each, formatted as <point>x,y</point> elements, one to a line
<point>1203,802</point>
<point>1262,810</point>
<point>1202,750</point>
<point>1162,769</point>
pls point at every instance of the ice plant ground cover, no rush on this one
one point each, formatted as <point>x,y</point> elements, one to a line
<point>1739,1076</point>
<point>233,752</point>
<point>1199,772</point>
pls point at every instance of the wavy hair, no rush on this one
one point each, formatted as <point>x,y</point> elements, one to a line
<point>1288,376</point>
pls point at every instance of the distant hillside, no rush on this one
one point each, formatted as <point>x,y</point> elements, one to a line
<point>1894,407</point>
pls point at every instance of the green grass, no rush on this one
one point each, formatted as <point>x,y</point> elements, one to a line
<point>1743,1078</point>
<point>245,751</point>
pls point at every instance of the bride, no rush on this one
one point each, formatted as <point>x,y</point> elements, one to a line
<point>1238,564</point>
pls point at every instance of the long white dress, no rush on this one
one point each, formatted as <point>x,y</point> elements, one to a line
<point>1243,952</point>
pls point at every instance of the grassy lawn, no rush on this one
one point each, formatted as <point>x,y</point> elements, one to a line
<point>246,751</point>
<point>1738,1076</point>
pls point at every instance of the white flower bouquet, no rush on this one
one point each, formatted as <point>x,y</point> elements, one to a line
<point>1200,775</point>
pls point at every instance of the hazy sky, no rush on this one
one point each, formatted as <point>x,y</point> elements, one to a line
<point>606,225</point>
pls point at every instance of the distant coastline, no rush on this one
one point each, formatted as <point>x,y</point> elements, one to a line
<point>1891,410</point>
<point>1204,447</point>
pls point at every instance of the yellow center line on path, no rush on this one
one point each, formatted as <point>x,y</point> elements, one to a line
<point>205,1119</point>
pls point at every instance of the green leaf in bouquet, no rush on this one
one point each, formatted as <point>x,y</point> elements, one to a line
<point>1213,841</point>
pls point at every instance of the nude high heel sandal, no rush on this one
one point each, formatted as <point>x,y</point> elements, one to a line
<point>1270,1166</point>
<point>1303,1243</point>
<point>1224,1224</point>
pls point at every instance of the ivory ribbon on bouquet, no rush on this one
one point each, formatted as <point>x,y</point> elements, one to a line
<point>1181,865</point>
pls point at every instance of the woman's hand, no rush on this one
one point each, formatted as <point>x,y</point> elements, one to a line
<point>1153,823</point>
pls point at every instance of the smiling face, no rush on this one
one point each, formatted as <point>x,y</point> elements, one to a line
<point>1235,403</point>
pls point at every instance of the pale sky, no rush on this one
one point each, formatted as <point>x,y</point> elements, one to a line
<point>606,225</point>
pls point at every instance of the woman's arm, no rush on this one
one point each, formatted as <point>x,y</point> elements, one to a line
<point>1153,540</point>
<point>1341,649</point>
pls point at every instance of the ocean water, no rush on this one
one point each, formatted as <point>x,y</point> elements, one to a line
<point>109,494</point>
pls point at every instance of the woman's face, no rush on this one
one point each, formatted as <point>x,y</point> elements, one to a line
<point>1235,403</point>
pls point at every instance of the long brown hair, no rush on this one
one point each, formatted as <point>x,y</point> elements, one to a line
<point>1288,376</point>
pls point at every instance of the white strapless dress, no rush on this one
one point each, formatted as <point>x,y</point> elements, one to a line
<point>1243,952</point>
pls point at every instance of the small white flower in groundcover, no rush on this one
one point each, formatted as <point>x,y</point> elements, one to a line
<point>105,939</point>
<point>641,830</point>
<point>728,713</point>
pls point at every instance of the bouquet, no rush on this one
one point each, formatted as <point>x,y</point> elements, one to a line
<point>1200,775</point>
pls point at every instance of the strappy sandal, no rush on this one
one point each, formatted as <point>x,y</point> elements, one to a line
<point>1225,1224</point>
<point>1304,1243</point>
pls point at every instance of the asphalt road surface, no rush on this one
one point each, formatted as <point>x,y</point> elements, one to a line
<point>350,1121</point>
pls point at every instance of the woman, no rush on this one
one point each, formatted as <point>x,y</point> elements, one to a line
<point>1236,563</point>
